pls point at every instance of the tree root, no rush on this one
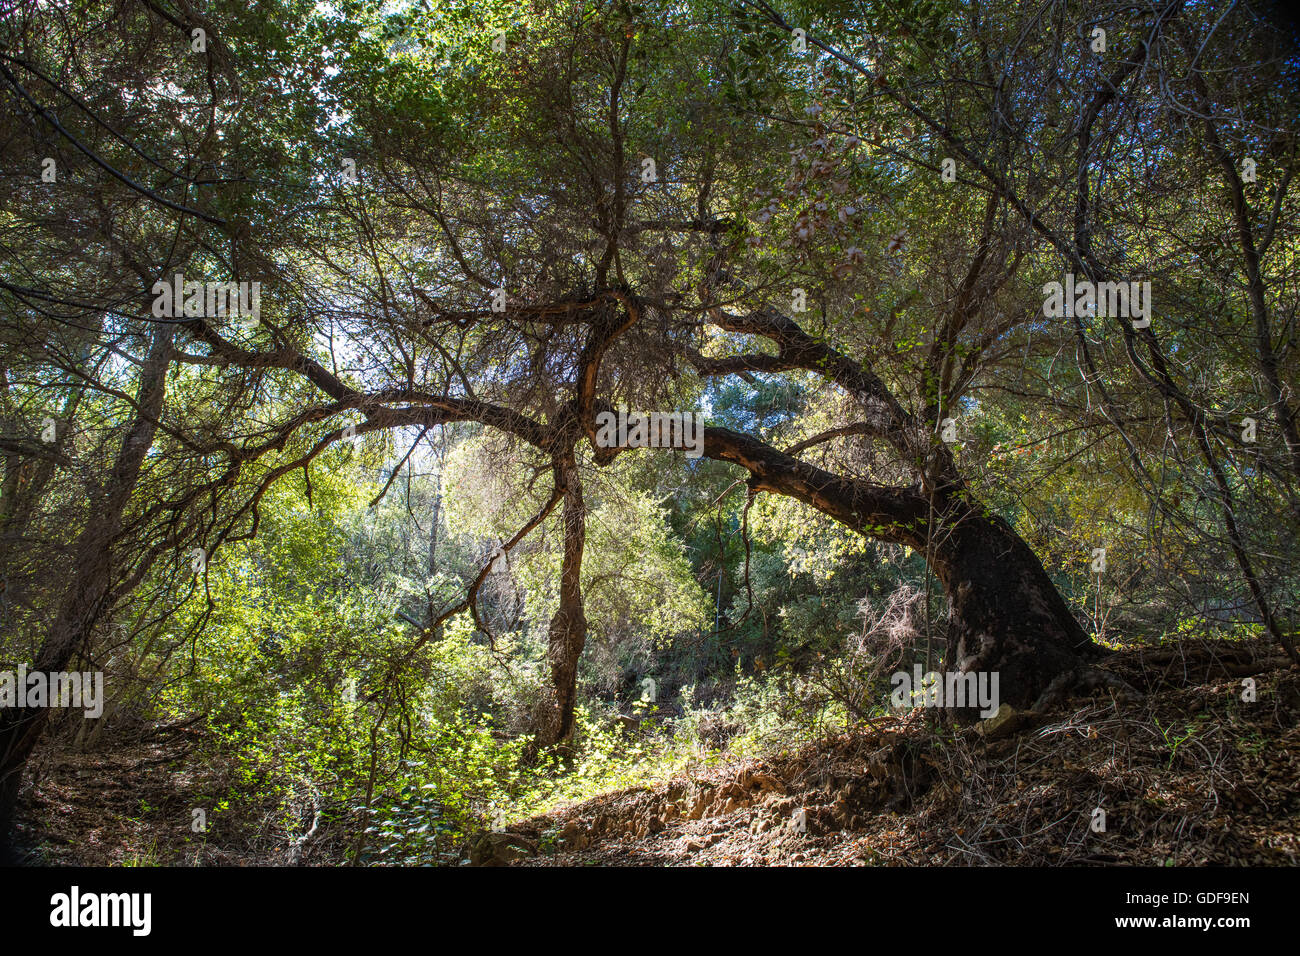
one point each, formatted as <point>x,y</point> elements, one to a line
<point>1084,680</point>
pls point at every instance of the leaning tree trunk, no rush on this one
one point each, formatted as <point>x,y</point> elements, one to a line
<point>87,598</point>
<point>568,633</point>
<point>1005,614</point>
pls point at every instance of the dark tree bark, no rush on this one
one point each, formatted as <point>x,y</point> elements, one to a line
<point>1005,613</point>
<point>1006,616</point>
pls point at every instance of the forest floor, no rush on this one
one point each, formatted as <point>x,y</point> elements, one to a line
<point>129,805</point>
<point>1187,774</point>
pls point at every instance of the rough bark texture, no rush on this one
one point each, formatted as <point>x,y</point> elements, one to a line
<point>87,597</point>
<point>1006,615</point>
<point>568,631</point>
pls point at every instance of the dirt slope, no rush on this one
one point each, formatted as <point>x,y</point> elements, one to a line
<point>1187,774</point>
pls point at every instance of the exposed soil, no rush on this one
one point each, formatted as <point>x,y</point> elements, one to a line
<point>908,792</point>
<point>133,805</point>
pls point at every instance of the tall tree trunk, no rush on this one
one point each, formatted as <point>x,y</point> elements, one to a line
<point>430,615</point>
<point>87,597</point>
<point>568,632</point>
